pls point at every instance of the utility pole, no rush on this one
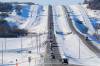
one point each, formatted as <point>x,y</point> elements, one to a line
<point>39,43</point>
<point>38,39</point>
<point>79,47</point>
<point>2,52</point>
<point>5,43</point>
<point>32,41</point>
<point>21,44</point>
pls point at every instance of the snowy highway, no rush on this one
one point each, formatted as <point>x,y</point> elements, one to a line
<point>52,37</point>
<point>71,46</point>
<point>78,23</point>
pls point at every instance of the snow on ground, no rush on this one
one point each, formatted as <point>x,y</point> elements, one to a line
<point>17,48</point>
<point>94,41</point>
<point>12,49</point>
<point>11,42</point>
<point>24,20</point>
<point>42,22</point>
<point>82,13</point>
<point>10,58</point>
<point>76,11</point>
<point>92,13</point>
<point>31,19</point>
<point>61,21</point>
<point>70,45</point>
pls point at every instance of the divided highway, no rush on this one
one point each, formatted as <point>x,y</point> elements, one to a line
<point>52,40</point>
<point>53,55</point>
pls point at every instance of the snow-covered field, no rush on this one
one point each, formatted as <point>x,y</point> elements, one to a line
<point>18,48</point>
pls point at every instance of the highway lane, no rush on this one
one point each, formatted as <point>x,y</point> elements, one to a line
<point>60,28</point>
<point>52,52</point>
<point>89,44</point>
<point>71,46</point>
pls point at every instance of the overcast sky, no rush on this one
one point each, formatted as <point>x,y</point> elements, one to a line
<point>46,2</point>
